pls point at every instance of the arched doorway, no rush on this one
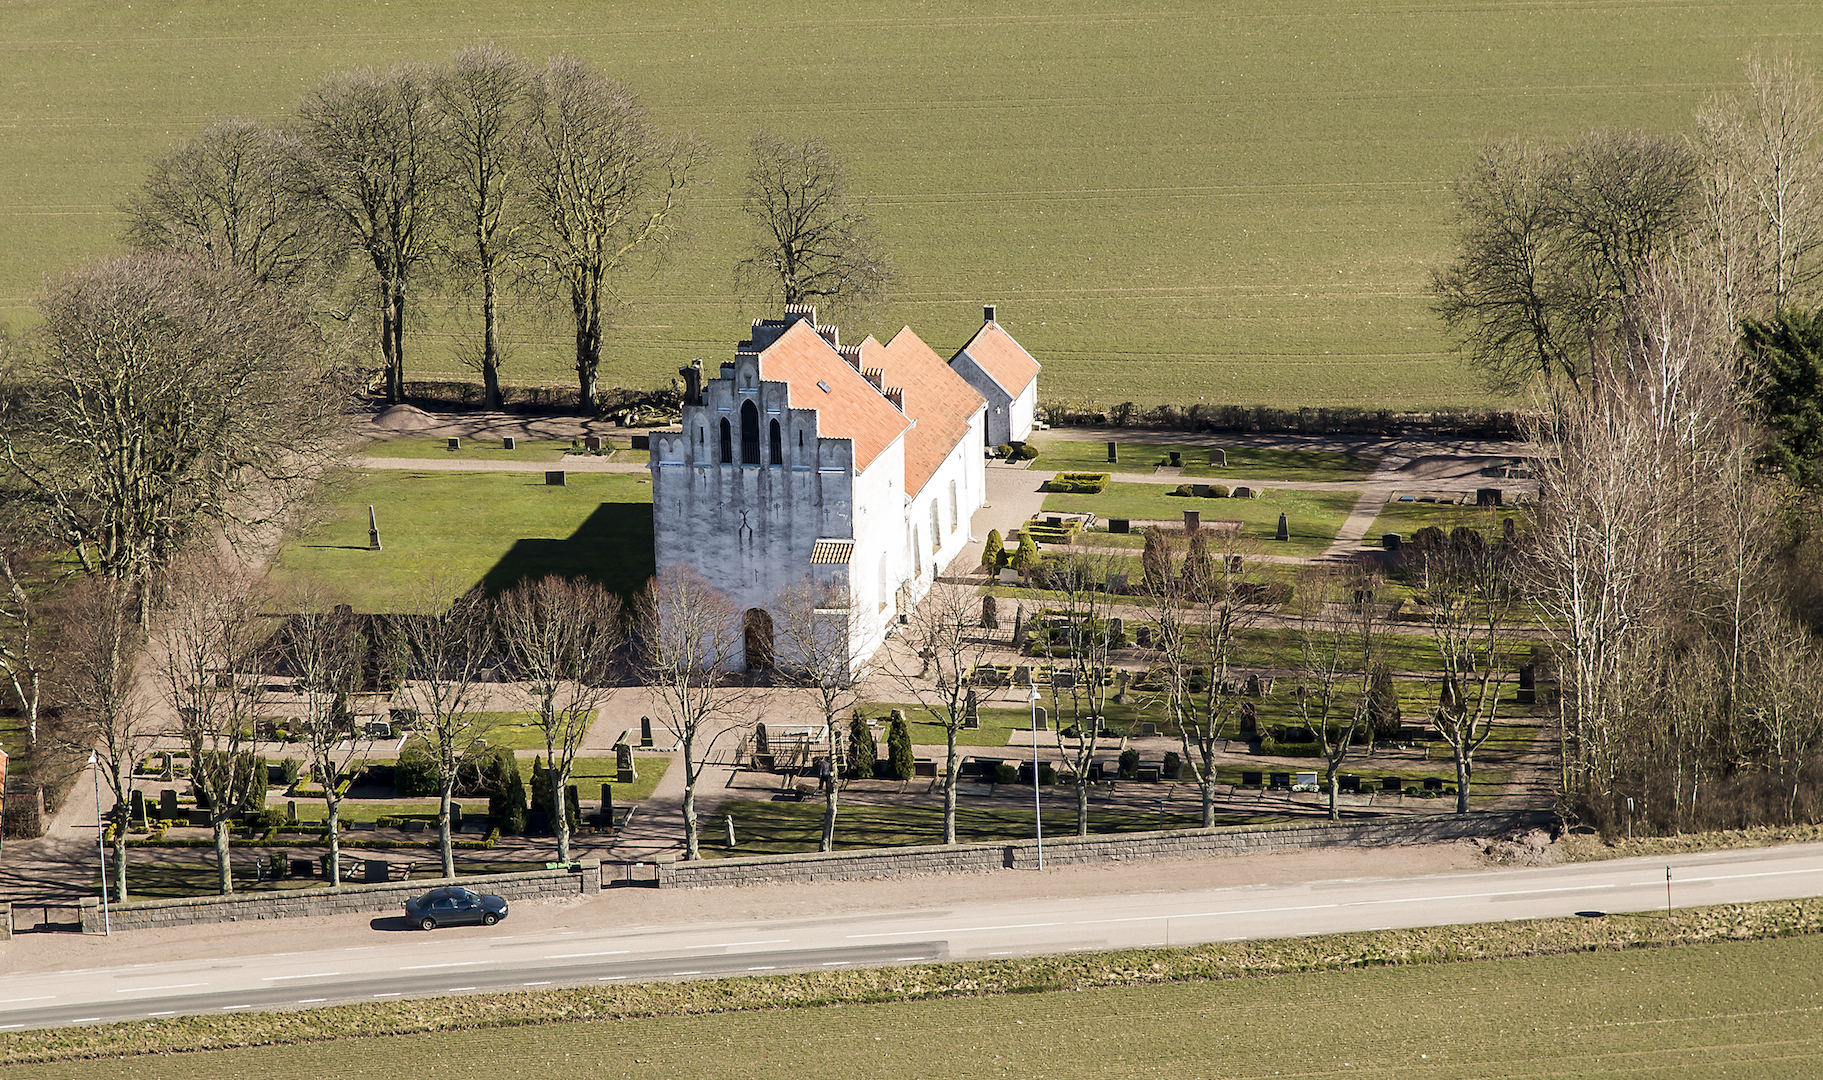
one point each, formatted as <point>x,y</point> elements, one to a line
<point>757,625</point>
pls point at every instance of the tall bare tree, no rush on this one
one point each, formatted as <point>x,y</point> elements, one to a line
<point>1336,651</point>
<point>605,185</point>
<point>815,247</point>
<point>443,645</point>
<point>816,656</point>
<point>374,173</point>
<point>329,655</point>
<point>483,97</point>
<point>1470,603</point>
<point>235,195</point>
<point>160,398</point>
<point>688,643</point>
<point>1078,578</point>
<point>206,660</point>
<point>945,633</point>
<point>564,637</point>
<point>26,649</point>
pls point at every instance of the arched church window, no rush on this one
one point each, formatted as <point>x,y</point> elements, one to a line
<point>936,529</point>
<point>750,433</point>
<point>955,517</point>
<point>917,555</point>
<point>886,589</point>
<point>778,452</point>
<point>727,443</point>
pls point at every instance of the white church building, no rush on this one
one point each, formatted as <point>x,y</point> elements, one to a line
<point>855,467</point>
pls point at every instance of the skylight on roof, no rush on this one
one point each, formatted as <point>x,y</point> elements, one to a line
<point>823,386</point>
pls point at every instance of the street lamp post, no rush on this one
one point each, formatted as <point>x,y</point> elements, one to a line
<point>101,849</point>
<point>1037,804</point>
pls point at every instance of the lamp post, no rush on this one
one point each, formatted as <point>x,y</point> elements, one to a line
<point>1037,803</point>
<point>107,925</point>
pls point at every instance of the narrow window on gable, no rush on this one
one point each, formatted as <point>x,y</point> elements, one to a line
<point>750,433</point>
<point>886,590</point>
<point>727,443</point>
<point>936,528</point>
<point>954,517</point>
<point>778,453</point>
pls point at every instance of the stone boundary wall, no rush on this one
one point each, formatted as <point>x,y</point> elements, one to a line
<point>297,903</point>
<point>1023,855</point>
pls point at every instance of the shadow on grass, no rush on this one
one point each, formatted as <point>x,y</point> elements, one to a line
<point>612,547</point>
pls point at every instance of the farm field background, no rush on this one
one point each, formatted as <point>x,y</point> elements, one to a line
<point>1231,202</point>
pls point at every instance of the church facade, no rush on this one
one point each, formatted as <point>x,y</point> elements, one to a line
<point>856,468</point>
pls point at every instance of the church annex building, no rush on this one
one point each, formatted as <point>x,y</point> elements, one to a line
<point>853,467</point>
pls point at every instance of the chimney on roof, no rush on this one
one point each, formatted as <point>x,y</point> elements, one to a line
<point>877,376</point>
<point>987,313</point>
<point>896,395</point>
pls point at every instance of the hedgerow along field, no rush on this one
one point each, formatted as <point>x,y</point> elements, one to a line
<point>1232,201</point>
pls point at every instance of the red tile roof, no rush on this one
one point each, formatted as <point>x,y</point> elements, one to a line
<point>935,396</point>
<point>1004,360</point>
<point>850,409</point>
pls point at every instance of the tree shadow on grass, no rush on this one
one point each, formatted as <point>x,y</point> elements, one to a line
<point>612,547</point>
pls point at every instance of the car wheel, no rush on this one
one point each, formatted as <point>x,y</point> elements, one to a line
<point>427,923</point>
<point>489,919</point>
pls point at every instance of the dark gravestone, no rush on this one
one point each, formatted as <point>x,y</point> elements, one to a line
<point>1433,783</point>
<point>1528,684</point>
<point>1509,530</point>
<point>1054,522</point>
<point>1391,783</point>
<point>378,871</point>
<point>1120,686</point>
<point>1281,781</point>
<point>924,768</point>
<point>607,804</point>
<point>138,811</point>
<point>1350,782</point>
<point>553,478</point>
<point>1148,729</point>
<point>971,712</point>
<point>1144,635</point>
<point>1193,520</point>
<point>1022,676</point>
<point>1218,459</point>
<point>1253,686</point>
<point>1113,453</point>
<point>1250,777</point>
<point>1117,633</point>
<point>1284,532</point>
<point>645,731</point>
<point>990,613</point>
<point>1041,720</point>
<point>303,868</point>
<point>167,804</point>
<point>509,443</point>
<point>1487,497</point>
<point>623,764</point>
<point>1117,525</point>
<point>1177,459</point>
<point>1391,541</point>
<point>642,442</point>
<point>591,443</point>
<point>1201,490</point>
<point>1241,493</point>
<point>455,444</point>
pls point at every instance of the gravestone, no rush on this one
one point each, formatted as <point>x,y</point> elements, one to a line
<point>1509,530</point>
<point>1528,684</point>
<point>1022,676</point>
<point>645,732</point>
<point>373,530</point>
<point>971,712</point>
<point>1350,783</point>
<point>553,478</point>
<point>1251,777</point>
<point>1250,721</point>
<point>1391,783</point>
<point>1242,492</point>
<point>1009,576</point>
<point>990,613</point>
<point>455,443</point>
<point>1284,532</point>
<point>1391,541</point>
<point>1218,459</point>
<point>642,442</point>
<point>1053,522</point>
<point>1117,633</point>
<point>1018,625</point>
<point>377,871</point>
<point>1144,635</point>
<point>137,812</point>
<point>1433,783</point>
<point>303,868</point>
<point>1253,686</point>
<point>1148,729</point>
<point>1487,497</point>
<point>291,810</point>
<point>1234,564</point>
<point>1177,459</point>
<point>1120,686</point>
<point>509,443</point>
<point>607,805</point>
<point>167,804</point>
<point>1281,781</point>
<point>1193,520</point>
<point>592,443</point>
<point>1113,453</point>
<point>1118,526</point>
<point>1201,490</point>
<point>623,764</point>
<point>1041,720</point>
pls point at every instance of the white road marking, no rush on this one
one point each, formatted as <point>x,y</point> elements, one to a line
<point>977,929</point>
<point>902,959</point>
<point>9,1027</point>
<point>315,975</point>
<point>610,978</point>
<point>167,1012</point>
<point>457,989</point>
<point>836,963</point>
<point>231,1008</point>
<point>44,997</point>
<point>143,989</point>
<point>395,993</point>
<point>85,1020</point>
<point>311,1001</point>
<point>733,944</point>
<point>577,955</point>
<point>547,982</point>
<point>686,973</point>
<point>458,963</point>
<point>766,968</point>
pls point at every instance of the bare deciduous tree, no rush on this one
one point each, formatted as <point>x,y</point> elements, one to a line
<point>816,246</point>
<point>816,656</point>
<point>373,171</point>
<point>329,655</point>
<point>25,633</point>
<point>1335,637</point>
<point>605,185</point>
<point>564,637</point>
<point>235,195</point>
<point>443,646</point>
<point>483,97</point>
<point>945,633</point>
<point>1470,602</point>
<point>1079,579</point>
<point>688,641</point>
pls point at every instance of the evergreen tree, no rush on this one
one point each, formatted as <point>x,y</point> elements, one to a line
<point>899,749</point>
<point>1382,704</point>
<point>863,751</point>
<point>1026,559</point>
<point>1785,360</point>
<point>1155,562</point>
<point>994,551</point>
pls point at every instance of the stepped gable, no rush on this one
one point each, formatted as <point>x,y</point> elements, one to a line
<point>939,402</point>
<point>847,405</point>
<point>1004,360</point>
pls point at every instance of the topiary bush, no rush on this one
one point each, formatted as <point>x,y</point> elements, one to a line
<point>1185,490</point>
<point>416,773</point>
<point>1174,765</point>
<point>993,553</point>
<point>900,762</point>
<point>1006,773</point>
<point>1025,452</point>
<point>863,752</point>
<point>1218,491</point>
<point>1129,764</point>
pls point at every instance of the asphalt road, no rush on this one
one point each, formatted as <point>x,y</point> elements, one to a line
<point>391,962</point>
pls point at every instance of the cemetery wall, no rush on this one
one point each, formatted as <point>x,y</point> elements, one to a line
<point>299,903</point>
<point>1023,855</point>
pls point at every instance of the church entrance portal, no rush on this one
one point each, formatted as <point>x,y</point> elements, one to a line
<point>758,625</point>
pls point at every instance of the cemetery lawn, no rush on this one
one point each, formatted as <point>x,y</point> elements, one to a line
<point>449,532</point>
<point>1313,517</point>
<point>1245,466</point>
<point>1407,518</point>
<point>476,449</point>
<point>777,828</point>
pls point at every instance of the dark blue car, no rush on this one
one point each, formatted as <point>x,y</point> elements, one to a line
<point>452,907</point>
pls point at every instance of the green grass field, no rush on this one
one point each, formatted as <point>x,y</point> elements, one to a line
<point>1228,201</point>
<point>1313,517</point>
<point>1740,1009</point>
<point>453,531</point>
<point>1245,466</point>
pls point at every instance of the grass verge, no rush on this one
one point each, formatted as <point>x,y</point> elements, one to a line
<point>1430,948</point>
